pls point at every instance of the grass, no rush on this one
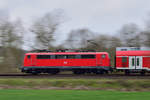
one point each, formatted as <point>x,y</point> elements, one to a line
<point>71,95</point>
<point>82,84</point>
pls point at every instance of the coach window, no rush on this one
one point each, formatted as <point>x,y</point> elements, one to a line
<point>132,61</point>
<point>123,49</point>
<point>88,56</point>
<point>137,61</point>
<point>28,56</point>
<point>124,59</point>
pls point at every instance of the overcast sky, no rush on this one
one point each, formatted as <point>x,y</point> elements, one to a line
<point>102,16</point>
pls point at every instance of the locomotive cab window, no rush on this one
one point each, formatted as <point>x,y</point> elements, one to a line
<point>103,56</point>
<point>29,56</point>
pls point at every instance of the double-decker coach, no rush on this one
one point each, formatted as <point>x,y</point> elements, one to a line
<point>78,62</point>
<point>133,59</point>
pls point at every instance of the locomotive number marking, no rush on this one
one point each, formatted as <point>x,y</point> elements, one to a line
<point>65,62</point>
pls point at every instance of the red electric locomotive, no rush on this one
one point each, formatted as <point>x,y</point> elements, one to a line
<point>78,62</point>
<point>133,59</point>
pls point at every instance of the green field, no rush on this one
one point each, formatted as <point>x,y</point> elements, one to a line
<point>71,95</point>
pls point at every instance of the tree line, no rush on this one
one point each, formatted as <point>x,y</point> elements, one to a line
<point>44,30</point>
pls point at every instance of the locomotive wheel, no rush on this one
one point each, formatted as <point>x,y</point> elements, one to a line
<point>106,72</point>
<point>78,71</point>
<point>34,73</point>
<point>88,71</point>
<point>75,72</point>
<point>54,71</point>
<point>99,71</point>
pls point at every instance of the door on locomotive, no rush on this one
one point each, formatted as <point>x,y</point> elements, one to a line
<point>135,62</point>
<point>33,60</point>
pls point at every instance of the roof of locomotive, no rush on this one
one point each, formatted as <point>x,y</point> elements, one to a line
<point>133,53</point>
<point>66,53</point>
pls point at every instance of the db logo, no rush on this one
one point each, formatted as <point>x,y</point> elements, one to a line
<point>65,62</point>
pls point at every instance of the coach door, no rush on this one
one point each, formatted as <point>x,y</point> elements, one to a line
<point>135,62</point>
<point>139,62</point>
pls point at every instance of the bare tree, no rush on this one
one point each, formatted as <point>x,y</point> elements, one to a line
<point>44,29</point>
<point>79,38</point>
<point>99,43</point>
<point>146,33</point>
<point>11,35</point>
<point>146,38</point>
<point>130,35</point>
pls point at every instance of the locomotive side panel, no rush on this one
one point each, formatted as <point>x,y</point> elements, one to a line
<point>96,60</point>
<point>29,60</point>
<point>66,61</point>
<point>104,60</point>
<point>63,60</point>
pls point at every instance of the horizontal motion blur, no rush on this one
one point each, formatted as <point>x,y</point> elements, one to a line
<point>127,59</point>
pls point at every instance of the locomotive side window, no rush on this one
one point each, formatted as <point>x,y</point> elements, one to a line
<point>124,59</point>
<point>43,56</point>
<point>78,56</point>
<point>60,56</point>
<point>87,56</point>
<point>71,56</point>
<point>52,56</point>
<point>65,56</point>
<point>28,56</point>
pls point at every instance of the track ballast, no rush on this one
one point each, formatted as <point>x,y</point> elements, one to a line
<point>72,76</point>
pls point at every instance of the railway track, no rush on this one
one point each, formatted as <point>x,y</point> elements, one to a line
<point>72,76</point>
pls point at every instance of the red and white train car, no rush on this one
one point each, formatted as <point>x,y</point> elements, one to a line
<point>133,59</point>
<point>78,62</point>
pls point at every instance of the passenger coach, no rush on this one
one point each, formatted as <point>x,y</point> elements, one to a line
<point>133,59</point>
<point>78,62</point>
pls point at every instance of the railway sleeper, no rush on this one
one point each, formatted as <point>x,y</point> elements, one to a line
<point>129,71</point>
